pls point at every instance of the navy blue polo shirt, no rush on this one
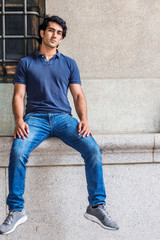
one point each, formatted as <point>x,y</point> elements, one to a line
<point>47,82</point>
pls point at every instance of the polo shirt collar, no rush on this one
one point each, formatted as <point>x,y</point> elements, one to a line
<point>41,55</point>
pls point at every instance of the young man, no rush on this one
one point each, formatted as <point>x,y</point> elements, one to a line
<point>46,76</point>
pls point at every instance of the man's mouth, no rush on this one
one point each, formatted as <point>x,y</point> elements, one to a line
<point>53,40</point>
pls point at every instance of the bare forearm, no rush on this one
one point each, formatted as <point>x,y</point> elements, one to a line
<point>81,107</point>
<point>18,108</point>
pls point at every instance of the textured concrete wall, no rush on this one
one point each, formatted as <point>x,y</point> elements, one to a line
<point>3,191</point>
<point>112,39</point>
<point>118,106</point>
<point>119,149</point>
<point>116,46</point>
<point>6,115</point>
<point>56,193</point>
<point>56,199</point>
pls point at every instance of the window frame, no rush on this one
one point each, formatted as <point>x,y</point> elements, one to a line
<point>25,36</point>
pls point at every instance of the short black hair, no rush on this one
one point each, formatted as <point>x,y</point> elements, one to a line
<point>45,24</point>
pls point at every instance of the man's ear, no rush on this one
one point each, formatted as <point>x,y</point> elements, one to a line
<point>61,39</point>
<point>41,33</point>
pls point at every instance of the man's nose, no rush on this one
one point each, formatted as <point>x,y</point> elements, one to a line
<point>54,34</point>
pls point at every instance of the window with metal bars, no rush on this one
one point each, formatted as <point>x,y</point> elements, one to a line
<point>19,22</point>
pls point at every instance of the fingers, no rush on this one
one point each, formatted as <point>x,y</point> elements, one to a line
<point>17,133</point>
<point>91,134</point>
<point>84,129</point>
<point>79,127</point>
<point>27,127</point>
<point>25,130</point>
<point>21,131</point>
<point>14,134</point>
<point>87,132</point>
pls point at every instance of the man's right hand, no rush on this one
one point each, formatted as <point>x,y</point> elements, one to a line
<point>21,129</point>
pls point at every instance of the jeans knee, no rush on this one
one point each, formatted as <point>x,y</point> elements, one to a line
<point>95,150</point>
<point>18,156</point>
<point>96,153</point>
<point>93,153</point>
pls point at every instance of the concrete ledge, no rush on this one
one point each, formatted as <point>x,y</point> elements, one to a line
<point>157,148</point>
<point>115,148</point>
<point>56,192</point>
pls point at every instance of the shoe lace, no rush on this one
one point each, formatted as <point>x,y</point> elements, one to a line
<point>103,209</point>
<point>9,218</point>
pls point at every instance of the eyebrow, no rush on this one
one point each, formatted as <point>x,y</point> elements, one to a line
<point>55,29</point>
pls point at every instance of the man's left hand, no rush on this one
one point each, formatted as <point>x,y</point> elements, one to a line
<point>84,129</point>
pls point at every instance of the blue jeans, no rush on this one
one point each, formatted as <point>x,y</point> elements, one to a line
<point>63,126</point>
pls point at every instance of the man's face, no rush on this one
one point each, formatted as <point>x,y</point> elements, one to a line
<point>52,36</point>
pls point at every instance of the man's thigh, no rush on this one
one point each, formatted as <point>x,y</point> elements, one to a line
<point>67,131</point>
<point>38,132</point>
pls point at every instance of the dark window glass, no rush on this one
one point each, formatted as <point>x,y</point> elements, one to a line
<point>32,22</point>
<point>0,48</point>
<point>0,24</point>
<point>17,43</point>
<point>14,49</point>
<point>33,6</point>
<point>14,24</point>
<point>14,5</point>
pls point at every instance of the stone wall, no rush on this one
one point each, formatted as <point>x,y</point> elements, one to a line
<point>116,46</point>
<point>56,192</point>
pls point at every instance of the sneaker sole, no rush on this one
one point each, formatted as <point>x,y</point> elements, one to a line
<point>20,221</point>
<point>94,219</point>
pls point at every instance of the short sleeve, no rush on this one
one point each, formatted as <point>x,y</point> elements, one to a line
<point>75,75</point>
<point>20,75</point>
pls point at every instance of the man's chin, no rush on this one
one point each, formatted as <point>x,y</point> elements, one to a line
<point>52,45</point>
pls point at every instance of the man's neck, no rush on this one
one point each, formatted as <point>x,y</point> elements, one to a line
<point>48,53</point>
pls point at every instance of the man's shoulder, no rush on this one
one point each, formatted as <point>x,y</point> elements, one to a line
<point>67,58</point>
<point>69,61</point>
<point>27,58</point>
<point>25,62</point>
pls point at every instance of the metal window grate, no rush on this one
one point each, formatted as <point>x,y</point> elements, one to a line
<point>19,21</point>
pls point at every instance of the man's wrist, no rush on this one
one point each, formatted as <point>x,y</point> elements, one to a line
<point>18,120</point>
<point>84,119</point>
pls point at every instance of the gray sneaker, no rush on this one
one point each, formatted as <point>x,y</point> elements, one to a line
<point>100,216</point>
<point>13,219</point>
